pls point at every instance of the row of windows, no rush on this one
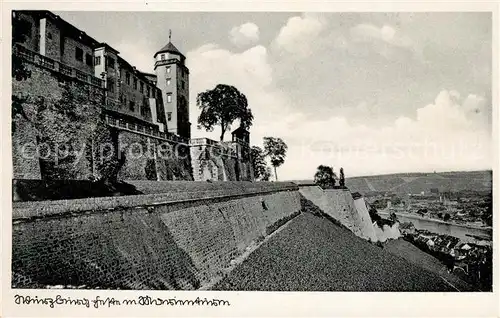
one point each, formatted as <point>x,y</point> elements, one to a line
<point>110,62</point>
<point>149,92</point>
<point>79,56</point>
<point>131,105</point>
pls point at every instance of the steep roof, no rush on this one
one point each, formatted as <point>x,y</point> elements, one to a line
<point>240,130</point>
<point>170,48</point>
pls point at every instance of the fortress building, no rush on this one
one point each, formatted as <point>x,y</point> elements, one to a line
<point>150,110</point>
<point>173,80</point>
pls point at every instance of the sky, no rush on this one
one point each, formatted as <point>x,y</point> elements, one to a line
<point>373,93</point>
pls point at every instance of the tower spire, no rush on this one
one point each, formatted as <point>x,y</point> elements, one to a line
<point>169,35</point>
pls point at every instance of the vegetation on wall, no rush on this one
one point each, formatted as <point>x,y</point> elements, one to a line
<point>73,131</point>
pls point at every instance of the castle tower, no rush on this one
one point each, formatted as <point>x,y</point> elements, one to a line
<point>173,80</point>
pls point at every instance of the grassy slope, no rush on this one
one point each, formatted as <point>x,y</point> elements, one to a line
<point>314,254</point>
<point>414,255</point>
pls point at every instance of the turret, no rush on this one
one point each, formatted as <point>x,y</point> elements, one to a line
<point>173,80</point>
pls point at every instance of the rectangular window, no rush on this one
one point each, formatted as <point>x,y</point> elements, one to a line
<point>135,83</point>
<point>88,59</point>
<point>169,80</point>
<point>110,62</point>
<point>79,54</point>
<point>169,116</point>
<point>124,102</point>
<point>183,84</point>
<point>28,27</point>
<point>169,97</point>
<point>163,57</point>
<point>168,69</point>
<point>131,105</point>
<point>127,77</point>
<point>142,87</point>
<point>148,91</point>
<point>111,85</point>
<point>97,60</point>
<point>153,93</point>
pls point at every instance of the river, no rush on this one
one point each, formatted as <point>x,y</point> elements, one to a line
<point>440,227</point>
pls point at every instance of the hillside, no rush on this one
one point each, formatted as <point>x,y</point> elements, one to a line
<point>405,183</point>
<point>314,254</point>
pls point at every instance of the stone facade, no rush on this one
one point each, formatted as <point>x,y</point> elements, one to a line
<point>167,245</point>
<point>173,80</point>
<point>148,113</point>
<point>220,161</point>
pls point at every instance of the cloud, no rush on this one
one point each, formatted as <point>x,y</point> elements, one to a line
<point>447,133</point>
<point>250,72</point>
<point>245,34</point>
<point>299,34</point>
<point>137,54</point>
<point>386,33</point>
<point>385,40</point>
<point>443,135</point>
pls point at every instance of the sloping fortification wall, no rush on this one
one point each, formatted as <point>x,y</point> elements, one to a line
<point>366,220</point>
<point>339,204</point>
<point>175,240</point>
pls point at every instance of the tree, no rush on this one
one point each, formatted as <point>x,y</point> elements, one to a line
<point>342,178</point>
<point>260,169</point>
<point>20,32</point>
<point>267,175</point>
<point>324,177</point>
<point>393,217</point>
<point>275,149</point>
<point>374,214</point>
<point>222,106</point>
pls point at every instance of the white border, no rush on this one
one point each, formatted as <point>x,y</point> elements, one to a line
<point>249,304</point>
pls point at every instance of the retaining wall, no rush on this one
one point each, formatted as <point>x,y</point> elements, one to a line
<point>339,204</point>
<point>175,240</point>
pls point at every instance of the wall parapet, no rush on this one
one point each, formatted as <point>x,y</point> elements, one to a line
<point>40,209</point>
<point>53,65</point>
<point>181,245</point>
<point>123,124</point>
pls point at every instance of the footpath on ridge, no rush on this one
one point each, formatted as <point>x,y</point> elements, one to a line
<point>314,254</point>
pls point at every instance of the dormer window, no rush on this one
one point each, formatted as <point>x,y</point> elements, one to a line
<point>163,57</point>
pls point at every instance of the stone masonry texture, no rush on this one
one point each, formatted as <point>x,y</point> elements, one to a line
<point>164,246</point>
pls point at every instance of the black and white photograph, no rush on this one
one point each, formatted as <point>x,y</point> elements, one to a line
<point>264,151</point>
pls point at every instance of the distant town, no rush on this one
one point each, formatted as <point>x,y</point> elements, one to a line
<point>455,197</point>
<point>447,215</point>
